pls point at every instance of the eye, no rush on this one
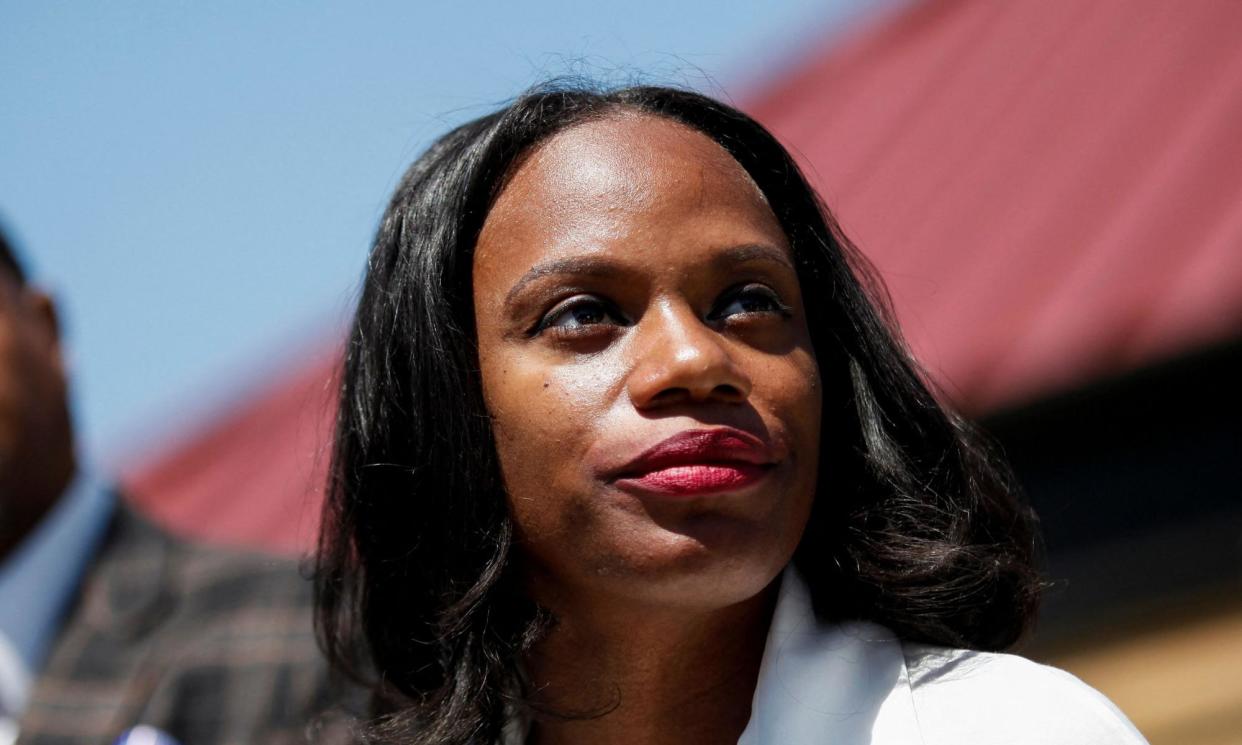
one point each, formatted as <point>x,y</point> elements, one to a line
<point>748,299</point>
<point>578,314</point>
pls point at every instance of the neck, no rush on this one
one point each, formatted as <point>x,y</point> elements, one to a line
<point>655,676</point>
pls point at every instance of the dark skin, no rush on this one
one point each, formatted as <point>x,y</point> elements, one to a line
<point>36,442</point>
<point>631,283</point>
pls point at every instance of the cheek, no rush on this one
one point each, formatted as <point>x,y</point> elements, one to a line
<point>792,392</point>
<point>810,394</point>
<point>29,391</point>
<point>793,397</point>
<point>544,419</point>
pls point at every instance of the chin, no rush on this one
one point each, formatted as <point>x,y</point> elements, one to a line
<point>684,571</point>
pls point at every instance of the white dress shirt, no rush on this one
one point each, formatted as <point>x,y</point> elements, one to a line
<point>38,581</point>
<point>857,684</point>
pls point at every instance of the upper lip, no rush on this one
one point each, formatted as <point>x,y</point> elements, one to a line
<point>721,446</point>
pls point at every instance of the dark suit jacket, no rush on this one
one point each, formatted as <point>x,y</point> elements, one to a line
<point>214,647</point>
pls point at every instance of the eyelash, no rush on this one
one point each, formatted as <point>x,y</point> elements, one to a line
<point>576,303</point>
<point>747,293</point>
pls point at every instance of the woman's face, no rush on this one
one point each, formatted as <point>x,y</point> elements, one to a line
<point>646,363</point>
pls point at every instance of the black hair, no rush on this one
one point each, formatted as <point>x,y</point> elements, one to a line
<point>8,260</point>
<point>917,526</point>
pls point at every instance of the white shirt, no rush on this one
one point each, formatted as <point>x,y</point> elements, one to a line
<point>856,683</point>
<point>38,581</point>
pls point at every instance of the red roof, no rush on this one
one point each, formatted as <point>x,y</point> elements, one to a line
<point>1052,190</point>
<point>254,476</point>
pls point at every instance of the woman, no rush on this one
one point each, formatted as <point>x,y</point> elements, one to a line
<point>628,452</point>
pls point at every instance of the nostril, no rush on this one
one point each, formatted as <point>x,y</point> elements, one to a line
<point>680,395</point>
<point>671,395</point>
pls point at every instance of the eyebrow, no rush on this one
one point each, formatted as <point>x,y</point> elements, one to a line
<point>754,252</point>
<point>581,266</point>
<point>603,268</point>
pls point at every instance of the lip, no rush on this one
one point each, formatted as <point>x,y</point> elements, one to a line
<point>698,462</point>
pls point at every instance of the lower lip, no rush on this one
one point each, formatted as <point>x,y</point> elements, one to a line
<point>698,479</point>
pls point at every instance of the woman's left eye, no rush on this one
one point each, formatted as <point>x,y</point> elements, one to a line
<point>749,299</point>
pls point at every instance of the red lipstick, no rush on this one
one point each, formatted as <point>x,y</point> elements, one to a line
<point>698,462</point>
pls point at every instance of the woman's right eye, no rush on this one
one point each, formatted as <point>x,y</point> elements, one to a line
<point>578,314</point>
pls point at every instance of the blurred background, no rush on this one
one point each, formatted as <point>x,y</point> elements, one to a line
<point>1051,188</point>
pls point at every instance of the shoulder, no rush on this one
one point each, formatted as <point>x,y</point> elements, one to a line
<point>232,603</point>
<point>235,649</point>
<point>188,638</point>
<point>225,577</point>
<point>204,605</point>
<point>205,574</point>
<point>967,696</point>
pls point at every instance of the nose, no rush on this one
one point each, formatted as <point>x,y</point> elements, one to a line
<point>681,359</point>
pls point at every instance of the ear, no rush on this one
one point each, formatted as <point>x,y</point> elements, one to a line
<point>43,311</point>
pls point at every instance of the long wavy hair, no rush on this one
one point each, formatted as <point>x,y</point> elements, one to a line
<point>919,528</point>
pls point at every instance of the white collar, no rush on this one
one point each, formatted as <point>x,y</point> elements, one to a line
<point>39,579</point>
<point>822,682</point>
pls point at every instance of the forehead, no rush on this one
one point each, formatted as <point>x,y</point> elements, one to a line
<point>636,180</point>
<point>627,157</point>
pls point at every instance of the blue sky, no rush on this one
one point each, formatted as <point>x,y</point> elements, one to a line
<point>197,182</point>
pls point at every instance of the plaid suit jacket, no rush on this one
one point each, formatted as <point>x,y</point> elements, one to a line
<point>214,647</point>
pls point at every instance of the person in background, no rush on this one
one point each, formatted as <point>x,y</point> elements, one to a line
<point>107,622</point>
